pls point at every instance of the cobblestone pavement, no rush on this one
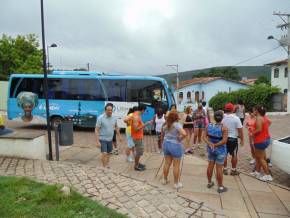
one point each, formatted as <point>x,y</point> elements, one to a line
<point>136,198</point>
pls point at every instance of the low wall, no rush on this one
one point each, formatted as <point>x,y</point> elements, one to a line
<point>24,145</point>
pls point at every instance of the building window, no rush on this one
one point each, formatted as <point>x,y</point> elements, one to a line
<point>196,97</point>
<point>180,95</point>
<point>276,73</point>
<point>285,91</point>
<point>188,95</point>
<point>286,72</point>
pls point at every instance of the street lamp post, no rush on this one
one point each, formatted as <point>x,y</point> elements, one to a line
<point>45,82</point>
<point>49,46</point>
<point>175,66</point>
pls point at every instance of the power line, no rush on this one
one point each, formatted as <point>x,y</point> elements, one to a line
<point>251,58</point>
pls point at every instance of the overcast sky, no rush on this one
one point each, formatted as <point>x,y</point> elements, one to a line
<point>143,36</point>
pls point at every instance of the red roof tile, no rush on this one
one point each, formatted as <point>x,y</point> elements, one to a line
<point>248,81</point>
<point>285,61</point>
<point>202,80</point>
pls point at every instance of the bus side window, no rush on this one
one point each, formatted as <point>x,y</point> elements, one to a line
<point>115,89</point>
<point>34,85</point>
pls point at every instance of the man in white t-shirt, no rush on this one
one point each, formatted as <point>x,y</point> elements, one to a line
<point>235,130</point>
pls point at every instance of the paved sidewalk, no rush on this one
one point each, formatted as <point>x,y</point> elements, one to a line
<point>136,198</point>
<point>246,197</point>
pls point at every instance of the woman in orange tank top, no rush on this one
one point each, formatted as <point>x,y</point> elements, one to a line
<point>261,142</point>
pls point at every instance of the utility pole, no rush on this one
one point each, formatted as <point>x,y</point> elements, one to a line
<point>88,66</point>
<point>285,42</point>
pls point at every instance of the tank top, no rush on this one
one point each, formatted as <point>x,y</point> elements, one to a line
<point>205,110</point>
<point>215,134</point>
<point>240,111</point>
<point>199,117</point>
<point>188,119</point>
<point>139,133</point>
<point>264,133</point>
<point>1,120</point>
<point>128,128</point>
<point>159,122</point>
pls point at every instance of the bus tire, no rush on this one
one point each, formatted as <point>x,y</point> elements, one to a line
<point>55,121</point>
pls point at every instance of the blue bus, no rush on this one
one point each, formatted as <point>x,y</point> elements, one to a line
<point>81,96</point>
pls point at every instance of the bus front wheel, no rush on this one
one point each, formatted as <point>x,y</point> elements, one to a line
<point>55,121</point>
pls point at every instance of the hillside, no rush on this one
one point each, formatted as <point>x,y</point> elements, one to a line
<point>251,72</point>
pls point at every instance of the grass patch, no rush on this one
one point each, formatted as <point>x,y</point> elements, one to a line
<point>22,197</point>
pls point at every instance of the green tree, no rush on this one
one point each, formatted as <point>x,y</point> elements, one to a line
<point>80,69</point>
<point>262,80</point>
<point>224,72</point>
<point>19,55</point>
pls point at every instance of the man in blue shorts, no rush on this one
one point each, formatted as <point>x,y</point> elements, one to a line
<point>106,124</point>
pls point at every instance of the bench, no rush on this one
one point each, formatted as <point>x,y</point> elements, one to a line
<point>24,145</point>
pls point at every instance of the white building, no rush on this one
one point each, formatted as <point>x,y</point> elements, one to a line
<point>203,89</point>
<point>279,74</point>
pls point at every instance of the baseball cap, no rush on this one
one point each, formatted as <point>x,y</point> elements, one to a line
<point>229,106</point>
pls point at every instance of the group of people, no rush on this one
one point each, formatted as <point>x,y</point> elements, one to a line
<point>107,124</point>
<point>222,137</point>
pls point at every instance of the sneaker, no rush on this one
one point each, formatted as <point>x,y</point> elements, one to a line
<point>225,172</point>
<point>130,159</point>
<point>138,168</point>
<point>142,166</point>
<point>115,152</point>
<point>252,162</point>
<point>209,185</point>
<point>178,185</point>
<point>234,173</point>
<point>164,181</point>
<point>266,178</point>
<point>255,174</point>
<point>222,189</point>
<point>188,151</point>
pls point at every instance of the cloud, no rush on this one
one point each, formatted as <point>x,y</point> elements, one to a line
<point>141,37</point>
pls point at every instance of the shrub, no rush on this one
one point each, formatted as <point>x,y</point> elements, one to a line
<point>255,95</point>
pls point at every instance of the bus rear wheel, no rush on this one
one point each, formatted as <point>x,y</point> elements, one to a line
<point>55,121</point>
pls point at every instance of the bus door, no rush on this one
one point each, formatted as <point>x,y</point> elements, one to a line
<point>148,92</point>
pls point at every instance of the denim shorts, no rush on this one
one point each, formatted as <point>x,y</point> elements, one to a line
<point>130,141</point>
<point>199,125</point>
<point>217,155</point>
<point>172,149</point>
<point>106,146</point>
<point>263,145</point>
